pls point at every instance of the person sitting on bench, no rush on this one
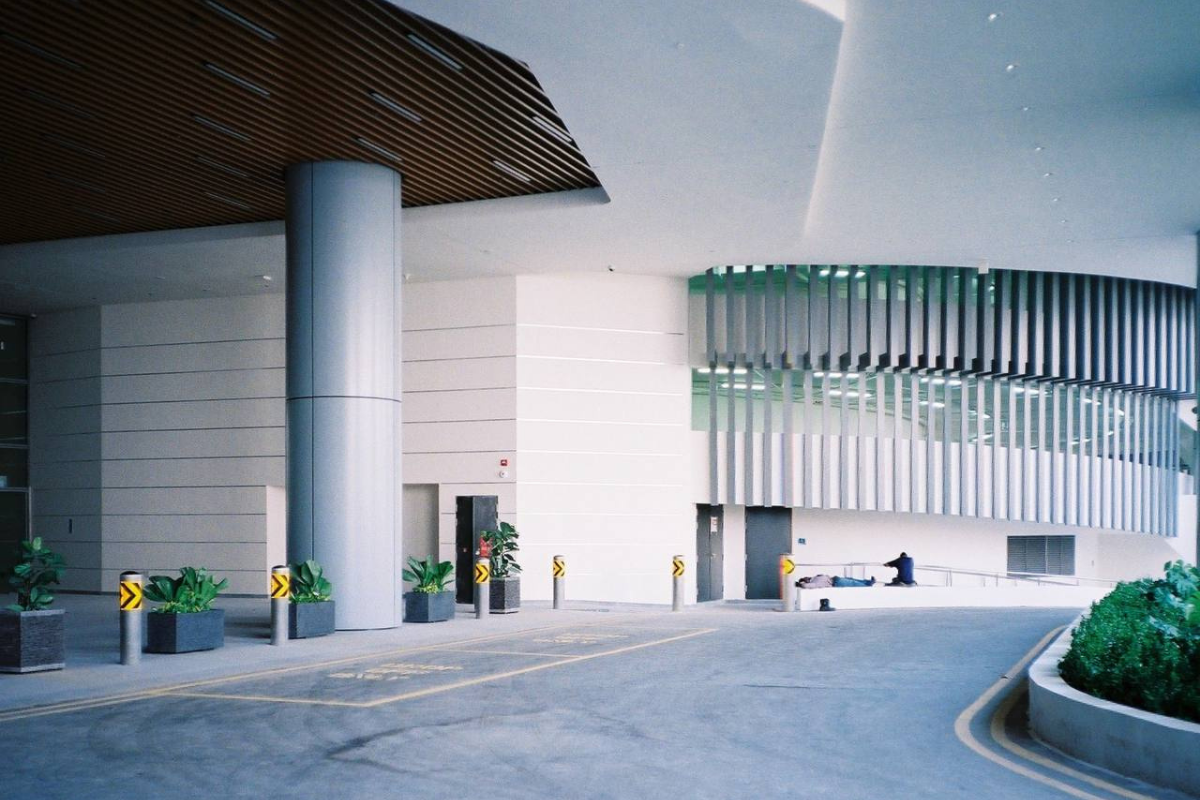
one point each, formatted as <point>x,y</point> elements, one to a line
<point>904,570</point>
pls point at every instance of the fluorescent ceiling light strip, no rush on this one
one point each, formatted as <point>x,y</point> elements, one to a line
<point>91,187</point>
<point>216,126</point>
<point>237,80</point>
<point>208,162</point>
<point>257,30</point>
<point>391,104</point>
<point>97,214</point>
<point>383,151</point>
<point>433,51</point>
<point>62,105</point>
<point>70,144</point>
<point>511,170</point>
<point>229,201</point>
<point>41,52</point>
<point>553,130</point>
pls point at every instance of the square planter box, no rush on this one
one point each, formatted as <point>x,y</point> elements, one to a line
<point>309,620</point>
<point>421,607</point>
<point>32,641</point>
<point>505,596</point>
<point>185,633</point>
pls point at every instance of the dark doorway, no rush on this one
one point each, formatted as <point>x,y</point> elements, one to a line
<point>768,535</point>
<point>710,553</point>
<point>473,513</point>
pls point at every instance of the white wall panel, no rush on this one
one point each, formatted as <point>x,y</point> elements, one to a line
<point>482,341</point>
<point>459,373</point>
<point>459,405</point>
<point>601,344</point>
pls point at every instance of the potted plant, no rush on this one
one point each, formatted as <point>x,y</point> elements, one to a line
<point>31,633</point>
<point>430,600</point>
<point>186,621</point>
<point>505,596</point>
<point>310,613</point>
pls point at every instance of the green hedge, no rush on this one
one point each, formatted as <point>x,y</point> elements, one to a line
<point>1140,645</point>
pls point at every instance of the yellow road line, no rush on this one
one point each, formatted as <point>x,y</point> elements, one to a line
<point>962,729</point>
<point>535,668</point>
<point>263,698</point>
<point>129,697</point>
<point>481,651</point>
<point>1002,738</point>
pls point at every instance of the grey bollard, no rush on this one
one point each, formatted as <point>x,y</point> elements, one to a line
<point>560,582</point>
<point>677,583</point>
<point>281,593</point>
<point>787,586</point>
<point>483,586</point>
<point>129,601</point>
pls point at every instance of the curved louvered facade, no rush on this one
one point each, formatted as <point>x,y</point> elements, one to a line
<point>1032,396</point>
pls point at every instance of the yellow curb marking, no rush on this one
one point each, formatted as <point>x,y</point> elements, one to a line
<point>962,729</point>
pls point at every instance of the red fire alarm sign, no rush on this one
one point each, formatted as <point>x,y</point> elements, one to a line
<point>504,462</point>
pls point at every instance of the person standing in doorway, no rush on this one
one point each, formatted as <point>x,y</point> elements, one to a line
<point>904,570</point>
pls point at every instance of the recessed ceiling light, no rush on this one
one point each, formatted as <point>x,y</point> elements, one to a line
<point>266,278</point>
<point>511,170</point>
<point>1055,199</point>
<point>383,151</point>
<point>216,126</point>
<point>71,144</point>
<point>97,214</point>
<point>389,103</point>
<point>1024,108</point>
<point>229,201</point>
<point>91,187</point>
<point>209,162</point>
<point>257,30</point>
<point>62,105</point>
<point>236,80</point>
<point>1010,67</point>
<point>1037,148</point>
<point>1047,174</point>
<point>995,15</point>
<point>433,51</point>
<point>41,52</point>
<point>553,130</point>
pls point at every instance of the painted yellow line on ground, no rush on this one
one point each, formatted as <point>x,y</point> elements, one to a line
<point>535,668</point>
<point>962,729</point>
<point>1002,738</point>
<point>481,651</point>
<point>98,702</point>
<point>446,687</point>
<point>962,726</point>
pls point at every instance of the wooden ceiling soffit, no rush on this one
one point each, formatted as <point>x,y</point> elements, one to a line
<point>141,116</point>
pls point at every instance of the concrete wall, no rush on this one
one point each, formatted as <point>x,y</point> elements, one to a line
<point>460,393</point>
<point>157,428</point>
<point>603,405</point>
<point>1154,748</point>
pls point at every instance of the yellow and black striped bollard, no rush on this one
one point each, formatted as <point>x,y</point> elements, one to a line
<point>281,593</point>
<point>677,583</point>
<point>483,587</point>
<point>559,571</point>
<point>129,601</point>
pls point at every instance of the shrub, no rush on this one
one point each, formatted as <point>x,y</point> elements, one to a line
<point>429,576</point>
<point>309,584</point>
<point>40,568</point>
<point>1140,645</point>
<point>192,592</point>
<point>504,548</point>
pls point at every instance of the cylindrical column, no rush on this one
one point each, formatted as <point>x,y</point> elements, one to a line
<point>343,383</point>
<point>281,592</point>
<point>787,587</point>
<point>677,583</point>
<point>129,601</point>
<point>559,571</point>
<point>483,586</point>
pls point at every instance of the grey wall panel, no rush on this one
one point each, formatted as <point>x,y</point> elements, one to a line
<point>222,385</point>
<point>194,357</point>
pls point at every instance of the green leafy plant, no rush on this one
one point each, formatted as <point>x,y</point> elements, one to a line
<point>504,548</point>
<point>40,567</point>
<point>192,592</point>
<point>309,584</point>
<point>429,577</point>
<point>1140,645</point>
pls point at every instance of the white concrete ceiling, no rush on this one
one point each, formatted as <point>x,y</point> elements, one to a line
<point>771,131</point>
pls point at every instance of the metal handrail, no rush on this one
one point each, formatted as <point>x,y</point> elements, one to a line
<point>949,572</point>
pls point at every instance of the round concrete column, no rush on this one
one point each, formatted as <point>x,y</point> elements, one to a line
<point>343,383</point>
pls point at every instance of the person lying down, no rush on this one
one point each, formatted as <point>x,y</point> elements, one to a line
<point>836,581</point>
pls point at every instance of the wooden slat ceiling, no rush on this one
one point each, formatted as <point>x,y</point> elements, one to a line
<point>161,114</point>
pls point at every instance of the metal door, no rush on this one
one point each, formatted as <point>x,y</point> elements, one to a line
<point>710,553</point>
<point>768,534</point>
